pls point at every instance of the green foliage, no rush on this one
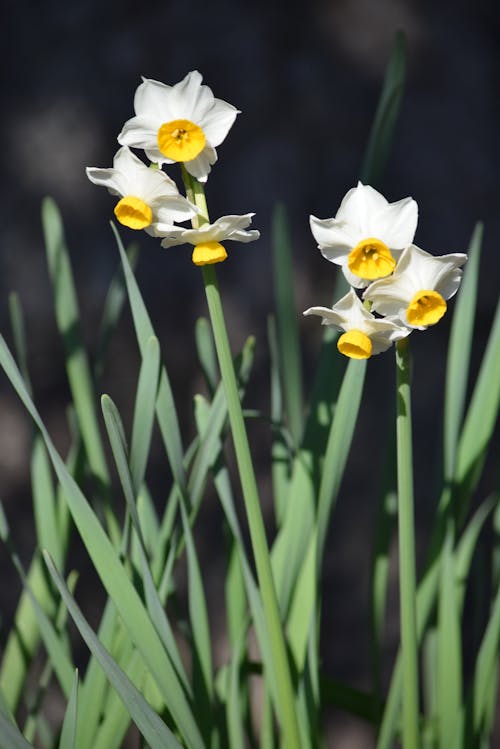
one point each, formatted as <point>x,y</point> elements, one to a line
<point>152,660</point>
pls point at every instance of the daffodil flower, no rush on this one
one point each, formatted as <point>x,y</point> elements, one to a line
<point>183,123</point>
<point>367,235</point>
<point>365,335</point>
<point>417,291</point>
<point>207,239</point>
<point>148,196</point>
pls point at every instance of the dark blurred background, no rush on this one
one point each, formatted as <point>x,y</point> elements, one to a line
<point>307,78</point>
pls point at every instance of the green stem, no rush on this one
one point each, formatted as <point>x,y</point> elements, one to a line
<point>407,575</point>
<point>285,694</point>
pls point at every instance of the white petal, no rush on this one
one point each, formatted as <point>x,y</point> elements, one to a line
<point>330,317</point>
<point>200,167</point>
<point>172,235</point>
<point>152,100</point>
<point>109,178</point>
<point>218,121</point>
<point>190,100</point>
<point>359,206</point>
<point>335,238</point>
<point>396,224</point>
<point>353,280</point>
<point>171,209</point>
<point>140,132</point>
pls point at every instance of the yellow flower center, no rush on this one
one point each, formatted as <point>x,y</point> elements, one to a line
<point>181,140</point>
<point>371,259</point>
<point>133,212</point>
<point>426,308</point>
<point>207,253</point>
<point>355,345</point>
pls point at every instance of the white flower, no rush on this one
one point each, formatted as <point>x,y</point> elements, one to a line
<point>207,239</point>
<point>184,123</point>
<point>418,288</point>
<point>364,335</point>
<point>367,235</point>
<point>148,195</point>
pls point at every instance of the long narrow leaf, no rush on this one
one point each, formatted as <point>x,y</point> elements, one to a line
<point>165,405</point>
<point>112,573</point>
<point>459,349</point>
<point>384,123</point>
<point>68,733</point>
<point>287,323</point>
<point>149,723</point>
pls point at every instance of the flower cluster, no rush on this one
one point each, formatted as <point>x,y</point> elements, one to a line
<point>371,240</point>
<point>183,123</point>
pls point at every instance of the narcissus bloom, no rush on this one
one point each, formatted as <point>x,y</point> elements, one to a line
<point>417,291</point>
<point>184,123</point>
<point>148,196</point>
<point>367,235</point>
<point>207,239</point>
<point>364,335</point>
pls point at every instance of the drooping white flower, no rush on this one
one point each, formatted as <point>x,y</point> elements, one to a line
<point>367,234</point>
<point>364,335</point>
<point>417,291</point>
<point>148,195</point>
<point>207,239</point>
<point>184,122</point>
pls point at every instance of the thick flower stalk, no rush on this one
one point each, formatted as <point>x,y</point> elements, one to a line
<point>417,291</point>
<point>181,123</point>
<point>367,234</point>
<point>364,334</point>
<point>208,237</point>
<point>148,197</point>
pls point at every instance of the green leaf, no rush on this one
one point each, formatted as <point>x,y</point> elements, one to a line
<point>303,607</point>
<point>113,306</point>
<point>10,736</point>
<point>287,324</point>
<point>486,665</point>
<point>338,447</point>
<point>165,405</point>
<point>480,420</point>
<point>280,453</point>
<point>68,733</point>
<point>384,122</point>
<point>68,323</point>
<point>449,653</point>
<point>459,352</point>
<point>206,353</point>
<point>149,723</point>
<point>200,631</point>
<point>19,335</point>
<point>144,412</point>
<point>112,573</point>
<point>44,502</point>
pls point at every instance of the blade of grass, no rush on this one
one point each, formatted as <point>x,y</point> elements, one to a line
<point>486,664</point>
<point>280,454</point>
<point>287,324</point>
<point>449,653</point>
<point>10,735</point>
<point>77,366</point>
<point>156,611</point>
<point>144,411</point>
<point>206,353</point>
<point>459,352</point>
<point>165,405</point>
<point>149,723</point>
<point>479,421</point>
<point>68,733</point>
<point>112,573</point>
<point>406,536</point>
<point>384,123</point>
<point>113,305</point>
<point>201,650</point>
